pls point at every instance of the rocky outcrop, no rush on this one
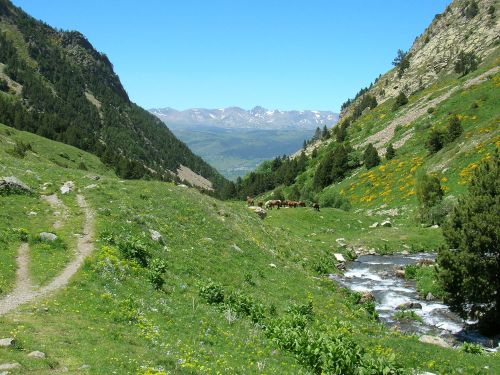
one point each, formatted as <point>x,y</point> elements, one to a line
<point>12,185</point>
<point>434,340</point>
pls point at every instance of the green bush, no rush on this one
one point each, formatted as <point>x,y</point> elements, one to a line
<point>20,149</point>
<point>133,248</point>
<point>411,271</point>
<point>435,142</point>
<point>212,292</point>
<point>454,129</point>
<point>401,100</point>
<point>471,348</point>
<point>4,86</point>
<point>466,62</point>
<point>390,152</point>
<point>471,9</point>
<point>331,198</point>
<point>429,193</point>
<point>156,270</point>
<point>407,315</point>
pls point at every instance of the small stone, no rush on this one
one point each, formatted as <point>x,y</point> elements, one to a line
<point>272,265</point>
<point>9,366</point>
<point>409,305</point>
<point>259,211</point>
<point>67,187</point>
<point>339,257</point>
<point>32,213</point>
<point>400,273</point>
<point>429,297</point>
<point>434,340</point>
<point>155,235</point>
<point>375,225</point>
<point>435,226</point>
<point>236,248</point>
<point>341,242</point>
<point>183,186</point>
<point>45,236</point>
<point>84,367</point>
<point>4,343</point>
<point>404,252</point>
<point>36,354</point>
<point>386,224</point>
<point>91,186</point>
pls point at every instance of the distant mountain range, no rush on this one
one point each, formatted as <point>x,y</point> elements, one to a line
<point>257,118</point>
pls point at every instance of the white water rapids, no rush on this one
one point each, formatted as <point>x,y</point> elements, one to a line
<point>376,274</point>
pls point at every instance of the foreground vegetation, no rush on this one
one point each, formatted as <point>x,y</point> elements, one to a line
<point>222,291</point>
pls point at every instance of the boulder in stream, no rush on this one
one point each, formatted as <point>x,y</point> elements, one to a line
<point>409,305</point>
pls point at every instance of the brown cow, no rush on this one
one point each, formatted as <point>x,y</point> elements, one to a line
<point>302,204</point>
<point>315,206</point>
<point>273,203</point>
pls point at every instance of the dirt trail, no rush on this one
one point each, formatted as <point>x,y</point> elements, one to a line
<point>23,291</point>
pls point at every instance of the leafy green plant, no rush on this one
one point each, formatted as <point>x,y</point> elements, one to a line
<point>212,292</point>
<point>134,248</point>
<point>468,347</point>
<point>156,269</point>
<point>403,315</point>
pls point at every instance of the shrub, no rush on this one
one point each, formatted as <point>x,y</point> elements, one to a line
<point>390,152</point>
<point>371,157</point>
<point>294,194</point>
<point>435,142</point>
<point>278,194</point>
<point>469,261</point>
<point>156,269</point>
<point>323,265</point>
<point>82,166</point>
<point>431,110</point>
<point>212,292</point>
<point>133,248</point>
<point>401,100</point>
<point>411,271</point>
<point>466,62</point>
<point>429,193</point>
<point>471,9</point>
<point>407,315</point>
<point>454,129</point>
<point>471,348</point>
<point>331,198</point>
<point>20,149</point>
<point>4,86</point>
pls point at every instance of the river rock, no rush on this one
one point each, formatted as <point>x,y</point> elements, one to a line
<point>9,366</point>
<point>259,211</point>
<point>366,297</point>
<point>67,187</point>
<point>5,343</point>
<point>36,354</point>
<point>434,340</point>
<point>400,273</point>
<point>341,242</point>
<point>386,224</point>
<point>46,236</point>
<point>339,257</point>
<point>409,305</point>
<point>429,297</point>
<point>13,185</point>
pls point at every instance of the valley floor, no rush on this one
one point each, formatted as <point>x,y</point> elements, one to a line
<point>138,304</point>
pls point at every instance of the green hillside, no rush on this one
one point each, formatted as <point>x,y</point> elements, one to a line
<point>55,84</point>
<point>137,306</point>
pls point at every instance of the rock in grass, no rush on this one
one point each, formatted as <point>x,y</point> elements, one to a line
<point>46,236</point>
<point>9,366</point>
<point>434,340</point>
<point>339,257</point>
<point>67,187</point>
<point>259,211</point>
<point>13,185</point>
<point>375,225</point>
<point>429,297</point>
<point>5,343</point>
<point>36,354</point>
<point>155,235</point>
<point>386,223</point>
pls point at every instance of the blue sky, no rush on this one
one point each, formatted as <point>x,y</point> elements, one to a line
<point>285,54</point>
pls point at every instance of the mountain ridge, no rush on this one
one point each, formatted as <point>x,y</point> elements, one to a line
<point>255,118</point>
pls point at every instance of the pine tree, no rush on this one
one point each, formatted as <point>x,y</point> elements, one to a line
<point>454,129</point>
<point>469,265</point>
<point>435,141</point>
<point>390,152</point>
<point>371,157</point>
<point>317,134</point>
<point>325,134</point>
<point>401,100</point>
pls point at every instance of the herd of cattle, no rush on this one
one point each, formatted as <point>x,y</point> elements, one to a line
<point>277,203</point>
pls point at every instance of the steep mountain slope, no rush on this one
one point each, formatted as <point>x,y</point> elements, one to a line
<point>147,301</point>
<point>405,107</point>
<point>238,118</point>
<point>54,83</point>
